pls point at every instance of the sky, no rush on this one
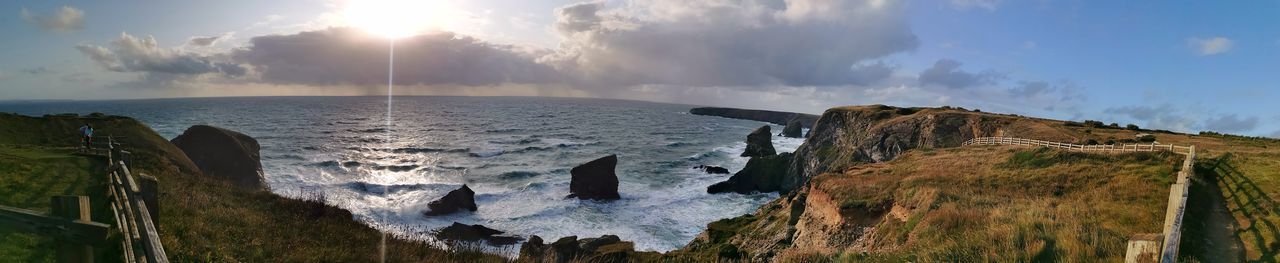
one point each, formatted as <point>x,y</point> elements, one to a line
<point>1186,66</point>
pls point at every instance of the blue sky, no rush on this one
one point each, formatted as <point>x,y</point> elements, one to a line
<point>1179,65</point>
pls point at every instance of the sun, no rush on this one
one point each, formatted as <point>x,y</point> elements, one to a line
<point>394,18</point>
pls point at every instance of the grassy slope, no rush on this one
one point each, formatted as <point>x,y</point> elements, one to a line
<point>207,220</point>
<point>29,176</point>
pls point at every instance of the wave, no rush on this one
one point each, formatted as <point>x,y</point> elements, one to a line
<point>396,168</point>
<point>425,150</point>
<point>505,130</point>
<point>518,175</point>
<point>374,130</point>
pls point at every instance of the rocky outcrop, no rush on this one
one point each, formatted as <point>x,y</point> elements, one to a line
<point>456,200</point>
<point>794,129</point>
<point>845,136</point>
<point>595,180</point>
<point>607,248</point>
<point>459,232</point>
<point>762,174</point>
<point>759,143</point>
<point>224,154</point>
<point>775,117</point>
<point>712,169</point>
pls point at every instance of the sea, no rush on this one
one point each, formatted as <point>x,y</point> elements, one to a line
<point>514,152</point>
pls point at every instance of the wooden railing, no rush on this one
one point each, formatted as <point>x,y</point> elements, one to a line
<point>1144,247</point>
<point>1133,147</point>
<point>69,222</point>
<point>135,208</point>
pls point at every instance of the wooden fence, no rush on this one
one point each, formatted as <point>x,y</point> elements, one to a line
<point>1143,247</point>
<point>133,207</point>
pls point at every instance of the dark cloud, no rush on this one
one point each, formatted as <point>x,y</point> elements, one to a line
<point>736,43</point>
<point>66,19</point>
<point>36,70</point>
<point>1231,123</point>
<point>348,56</point>
<point>132,54</point>
<point>204,41</point>
<point>947,73</point>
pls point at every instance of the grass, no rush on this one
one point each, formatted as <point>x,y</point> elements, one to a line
<point>202,219</point>
<point>29,177</point>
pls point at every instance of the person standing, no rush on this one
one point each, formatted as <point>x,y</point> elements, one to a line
<point>86,136</point>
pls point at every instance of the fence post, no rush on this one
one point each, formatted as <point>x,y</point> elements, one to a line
<point>72,207</point>
<point>149,190</point>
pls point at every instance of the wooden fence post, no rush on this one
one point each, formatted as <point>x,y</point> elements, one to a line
<point>149,190</point>
<point>72,207</point>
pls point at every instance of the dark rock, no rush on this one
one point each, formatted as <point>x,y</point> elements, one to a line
<point>762,174</point>
<point>595,180</point>
<point>775,117</point>
<point>759,143</point>
<point>794,129</point>
<point>458,199</point>
<point>712,169</point>
<point>223,153</point>
<point>607,248</point>
<point>475,233</point>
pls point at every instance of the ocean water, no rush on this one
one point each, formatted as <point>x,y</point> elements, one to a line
<point>514,152</point>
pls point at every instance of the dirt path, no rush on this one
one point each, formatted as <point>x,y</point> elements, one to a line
<point>1210,229</point>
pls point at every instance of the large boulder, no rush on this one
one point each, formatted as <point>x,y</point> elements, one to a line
<point>458,199</point>
<point>607,248</point>
<point>459,232</point>
<point>595,180</point>
<point>224,154</point>
<point>759,143</point>
<point>762,174</point>
<point>794,129</point>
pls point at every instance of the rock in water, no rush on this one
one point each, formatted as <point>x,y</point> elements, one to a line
<point>762,174</point>
<point>458,199</point>
<point>223,153</point>
<point>595,180</point>
<point>712,169</point>
<point>759,143</point>
<point>474,233</point>
<point>793,129</point>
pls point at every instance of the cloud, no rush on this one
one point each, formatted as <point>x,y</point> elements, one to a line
<point>1159,117</point>
<point>989,5</point>
<point>201,41</point>
<point>730,43</point>
<point>1210,46</point>
<point>947,73</point>
<point>37,70</point>
<point>132,54</point>
<point>338,56</point>
<point>66,19</point>
<point>1229,123</point>
<point>1031,88</point>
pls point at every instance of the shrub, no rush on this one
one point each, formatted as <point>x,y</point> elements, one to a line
<point>1072,124</point>
<point>1147,138</point>
<point>1132,127</point>
<point>1093,123</point>
<point>1114,125</point>
<point>1091,142</point>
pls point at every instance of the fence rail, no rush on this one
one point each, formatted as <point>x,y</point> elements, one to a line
<point>133,208</point>
<point>1134,147</point>
<point>1142,248</point>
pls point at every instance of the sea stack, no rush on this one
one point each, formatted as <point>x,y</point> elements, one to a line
<point>595,180</point>
<point>794,129</point>
<point>458,199</point>
<point>224,154</point>
<point>759,143</point>
<point>762,174</point>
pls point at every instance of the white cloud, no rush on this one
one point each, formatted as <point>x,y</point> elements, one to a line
<point>66,19</point>
<point>132,54</point>
<point>1210,46</point>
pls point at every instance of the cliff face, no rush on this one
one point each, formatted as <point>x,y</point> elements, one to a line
<point>775,117</point>
<point>846,136</point>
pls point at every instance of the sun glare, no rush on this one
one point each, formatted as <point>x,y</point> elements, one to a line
<point>393,18</point>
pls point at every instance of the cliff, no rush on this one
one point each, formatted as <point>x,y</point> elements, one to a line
<point>775,117</point>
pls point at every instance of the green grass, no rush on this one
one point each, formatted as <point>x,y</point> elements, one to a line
<point>29,177</point>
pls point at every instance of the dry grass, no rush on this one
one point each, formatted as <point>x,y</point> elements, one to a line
<point>978,204</point>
